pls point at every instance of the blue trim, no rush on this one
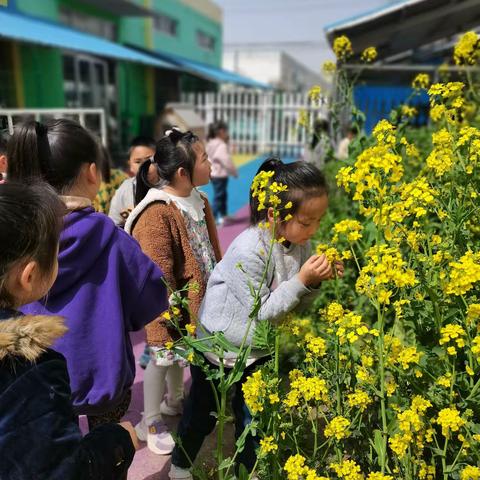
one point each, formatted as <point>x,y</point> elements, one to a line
<point>210,72</point>
<point>367,13</point>
<point>25,28</point>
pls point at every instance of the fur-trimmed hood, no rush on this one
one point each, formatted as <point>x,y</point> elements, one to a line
<point>29,336</point>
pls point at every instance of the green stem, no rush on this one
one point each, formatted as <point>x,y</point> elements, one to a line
<point>383,409</point>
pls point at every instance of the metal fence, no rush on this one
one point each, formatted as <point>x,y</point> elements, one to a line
<point>91,118</point>
<point>260,122</point>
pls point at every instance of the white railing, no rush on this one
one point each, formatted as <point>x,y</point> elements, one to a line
<point>92,118</point>
<point>259,122</point>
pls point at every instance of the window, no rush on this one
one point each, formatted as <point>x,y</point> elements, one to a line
<point>166,24</point>
<point>205,41</point>
<point>89,24</point>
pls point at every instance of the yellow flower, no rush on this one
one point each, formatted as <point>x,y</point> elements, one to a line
<point>409,356</point>
<point>379,476</point>
<point>168,345</point>
<point>288,218</point>
<point>369,55</point>
<point>288,205</point>
<point>176,311</point>
<point>469,370</point>
<point>314,94</point>
<point>267,445</point>
<point>445,380</point>
<point>338,428</point>
<point>450,421</point>
<point>329,67</point>
<point>254,390</point>
<point>470,473</point>
<point>273,398</point>
<point>167,316</point>
<point>347,469</point>
<point>190,329</point>
<point>303,118</point>
<point>350,228</point>
<point>359,399</point>
<point>467,50</point>
<point>190,357</point>
<point>408,111</point>
<point>464,274</point>
<point>342,48</point>
<point>421,81</point>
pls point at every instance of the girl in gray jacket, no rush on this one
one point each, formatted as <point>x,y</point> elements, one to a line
<point>292,281</point>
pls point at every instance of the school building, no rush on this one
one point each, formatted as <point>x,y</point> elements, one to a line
<point>129,57</point>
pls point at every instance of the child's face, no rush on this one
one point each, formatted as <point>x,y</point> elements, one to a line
<point>301,228</point>
<point>202,167</point>
<point>137,156</point>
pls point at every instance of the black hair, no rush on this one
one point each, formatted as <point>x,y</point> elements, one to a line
<point>141,141</point>
<point>215,127</point>
<point>303,180</point>
<point>53,152</point>
<point>4,138</point>
<point>173,151</point>
<point>320,127</point>
<point>30,226</point>
<point>105,164</point>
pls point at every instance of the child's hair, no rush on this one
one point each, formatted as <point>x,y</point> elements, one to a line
<point>303,180</point>
<point>105,164</point>
<point>173,151</point>
<point>141,141</point>
<point>30,226</point>
<point>4,138</point>
<point>54,152</point>
<point>215,127</point>
<point>319,127</point>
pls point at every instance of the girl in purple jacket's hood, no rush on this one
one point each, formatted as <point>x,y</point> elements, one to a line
<point>106,287</point>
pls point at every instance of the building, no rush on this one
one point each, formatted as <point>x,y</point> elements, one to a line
<point>411,36</point>
<point>129,57</point>
<point>270,66</point>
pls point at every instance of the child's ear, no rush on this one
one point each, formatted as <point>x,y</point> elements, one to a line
<point>3,164</point>
<point>270,214</point>
<point>93,174</point>
<point>27,278</point>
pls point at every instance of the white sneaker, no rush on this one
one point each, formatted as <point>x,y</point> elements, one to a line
<point>159,440</point>
<point>171,411</point>
<point>177,473</point>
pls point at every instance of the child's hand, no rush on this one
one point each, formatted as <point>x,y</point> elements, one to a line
<point>133,434</point>
<point>339,268</point>
<point>315,270</point>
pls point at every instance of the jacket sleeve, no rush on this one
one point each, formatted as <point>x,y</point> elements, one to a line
<point>142,284</point>
<point>275,304</point>
<point>40,408</point>
<point>118,207</point>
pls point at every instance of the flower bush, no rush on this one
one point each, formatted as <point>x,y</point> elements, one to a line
<point>383,380</point>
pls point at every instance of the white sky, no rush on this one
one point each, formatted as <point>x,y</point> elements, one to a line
<point>295,26</point>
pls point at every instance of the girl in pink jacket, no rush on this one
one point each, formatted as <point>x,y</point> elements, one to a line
<point>222,167</point>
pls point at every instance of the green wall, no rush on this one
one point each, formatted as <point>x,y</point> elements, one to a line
<point>42,77</point>
<point>132,30</point>
<point>132,83</point>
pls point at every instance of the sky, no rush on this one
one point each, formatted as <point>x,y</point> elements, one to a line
<point>295,26</point>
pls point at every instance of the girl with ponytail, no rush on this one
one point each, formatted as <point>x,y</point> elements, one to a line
<point>106,287</point>
<point>290,280</point>
<point>174,225</point>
